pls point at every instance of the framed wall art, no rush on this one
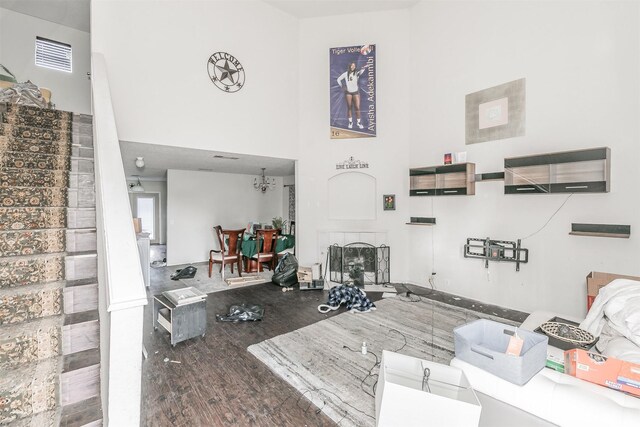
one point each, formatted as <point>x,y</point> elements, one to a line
<point>389,202</point>
<point>352,91</point>
<point>495,113</point>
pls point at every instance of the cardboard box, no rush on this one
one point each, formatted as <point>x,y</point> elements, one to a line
<point>607,371</point>
<point>316,271</point>
<point>597,280</point>
<point>137,225</point>
<point>305,274</point>
<point>405,397</point>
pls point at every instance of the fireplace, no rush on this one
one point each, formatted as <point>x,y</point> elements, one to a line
<point>359,264</point>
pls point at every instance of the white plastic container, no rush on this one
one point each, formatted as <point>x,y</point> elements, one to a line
<point>483,343</point>
<point>403,399</point>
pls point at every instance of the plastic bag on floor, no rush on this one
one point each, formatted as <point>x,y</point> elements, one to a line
<point>286,272</point>
<point>243,313</point>
<point>186,273</point>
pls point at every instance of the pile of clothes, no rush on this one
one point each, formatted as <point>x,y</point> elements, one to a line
<point>354,298</point>
<point>23,94</point>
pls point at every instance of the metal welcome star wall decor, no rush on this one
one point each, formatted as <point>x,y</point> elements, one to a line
<point>226,72</point>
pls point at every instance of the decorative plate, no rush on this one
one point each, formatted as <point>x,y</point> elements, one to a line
<point>568,333</point>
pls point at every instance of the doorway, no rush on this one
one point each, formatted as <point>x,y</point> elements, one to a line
<point>146,206</point>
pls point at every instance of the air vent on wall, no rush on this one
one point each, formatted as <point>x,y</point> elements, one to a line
<point>53,54</point>
<point>218,156</point>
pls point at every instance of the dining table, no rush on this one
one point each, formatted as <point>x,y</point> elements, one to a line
<point>249,249</point>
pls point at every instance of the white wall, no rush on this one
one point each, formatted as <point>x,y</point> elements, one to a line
<point>70,91</point>
<point>159,187</point>
<point>387,154</point>
<point>198,201</point>
<point>581,64</point>
<point>157,53</point>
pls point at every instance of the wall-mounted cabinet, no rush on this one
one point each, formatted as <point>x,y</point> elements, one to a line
<point>581,171</point>
<point>445,180</point>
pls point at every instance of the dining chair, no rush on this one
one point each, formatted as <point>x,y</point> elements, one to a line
<point>266,248</point>
<point>229,242</point>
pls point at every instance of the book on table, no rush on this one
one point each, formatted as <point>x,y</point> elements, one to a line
<point>184,296</point>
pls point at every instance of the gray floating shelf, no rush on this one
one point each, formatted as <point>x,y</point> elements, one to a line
<point>421,220</point>
<point>601,230</point>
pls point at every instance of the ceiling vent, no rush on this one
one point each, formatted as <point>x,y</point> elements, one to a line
<point>218,156</point>
<point>53,54</point>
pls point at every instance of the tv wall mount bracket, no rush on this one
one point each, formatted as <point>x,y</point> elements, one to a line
<point>496,250</point>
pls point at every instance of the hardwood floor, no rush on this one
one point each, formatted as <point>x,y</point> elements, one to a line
<point>217,382</point>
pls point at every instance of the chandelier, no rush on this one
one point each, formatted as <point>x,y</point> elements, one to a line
<point>136,187</point>
<point>263,183</point>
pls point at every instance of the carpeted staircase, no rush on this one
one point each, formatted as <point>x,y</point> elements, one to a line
<point>49,331</point>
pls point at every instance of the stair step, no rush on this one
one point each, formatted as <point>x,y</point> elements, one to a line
<point>81,165</point>
<point>82,414</point>
<point>82,180</point>
<point>81,265</point>
<point>41,419</point>
<point>33,218</point>
<point>15,177</point>
<point>28,270</point>
<point>80,377</point>
<point>27,343</point>
<point>33,132</point>
<point>80,360</point>
<point>38,111</point>
<point>83,152</point>
<point>22,160</point>
<point>24,304</point>
<point>81,198</point>
<point>80,332</point>
<point>82,133</point>
<point>32,119</point>
<point>81,218</point>
<point>82,139</point>
<point>80,384</point>
<point>36,218</point>
<point>78,299</point>
<point>81,318</point>
<point>32,242</point>
<point>28,390</point>
<point>47,241</point>
<point>81,282</point>
<point>10,143</point>
<point>34,196</point>
<point>81,240</point>
<point>86,119</point>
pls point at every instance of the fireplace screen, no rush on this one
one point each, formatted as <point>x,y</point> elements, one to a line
<point>359,264</point>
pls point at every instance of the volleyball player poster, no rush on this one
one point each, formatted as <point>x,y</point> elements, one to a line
<point>352,83</point>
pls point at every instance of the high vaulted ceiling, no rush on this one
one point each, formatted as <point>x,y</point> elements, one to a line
<point>317,8</point>
<point>75,13</point>
<point>70,13</point>
<point>159,158</point>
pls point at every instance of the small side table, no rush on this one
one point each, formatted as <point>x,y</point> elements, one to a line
<point>182,321</point>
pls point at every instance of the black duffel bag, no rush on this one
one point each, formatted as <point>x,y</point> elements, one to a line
<point>286,272</point>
